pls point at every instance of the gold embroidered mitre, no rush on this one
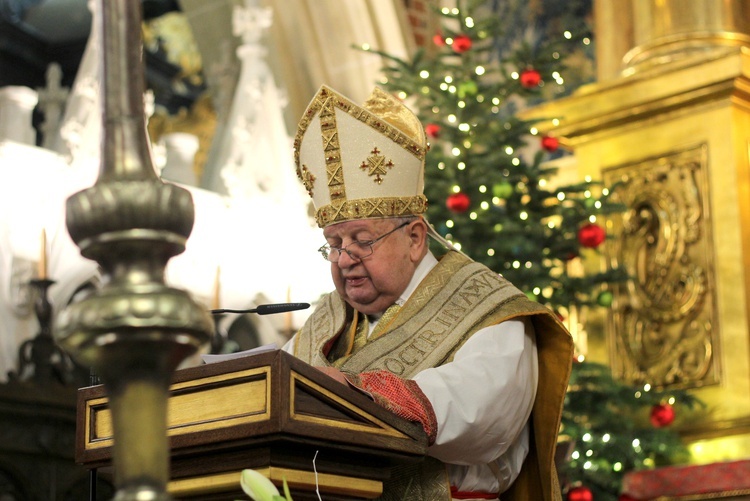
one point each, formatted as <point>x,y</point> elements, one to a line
<point>360,162</point>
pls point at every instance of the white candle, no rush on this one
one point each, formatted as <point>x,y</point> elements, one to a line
<point>42,265</point>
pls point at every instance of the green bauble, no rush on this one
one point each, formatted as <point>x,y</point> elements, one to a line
<point>466,89</point>
<point>502,190</point>
<point>605,298</point>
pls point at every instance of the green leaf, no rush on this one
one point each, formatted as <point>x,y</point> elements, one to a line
<point>258,487</point>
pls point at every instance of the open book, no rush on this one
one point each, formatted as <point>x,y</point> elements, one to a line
<point>209,358</point>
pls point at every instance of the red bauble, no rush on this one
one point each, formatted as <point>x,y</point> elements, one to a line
<point>530,78</point>
<point>438,39</point>
<point>626,497</point>
<point>580,494</point>
<point>662,415</point>
<point>432,130</point>
<point>591,235</point>
<point>458,203</point>
<point>461,44</point>
<point>550,143</point>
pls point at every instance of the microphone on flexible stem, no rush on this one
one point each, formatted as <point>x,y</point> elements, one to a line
<point>266,309</point>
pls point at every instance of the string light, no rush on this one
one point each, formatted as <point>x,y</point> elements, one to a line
<point>495,100</point>
<point>480,98</point>
<point>597,204</point>
<point>443,86</point>
<point>587,465</point>
<point>456,188</point>
<point>587,179</point>
<point>592,218</point>
<point>586,437</point>
<point>402,95</point>
<point>461,166</point>
<point>365,46</point>
<point>449,41</point>
<point>456,152</point>
<point>452,118</point>
<point>484,205</point>
<point>534,131</point>
<point>452,89</point>
<point>424,74</point>
<point>568,34</point>
<point>516,264</point>
<point>464,127</point>
<point>473,216</point>
<point>606,437</point>
<point>462,104</point>
<point>469,22</point>
<point>605,192</point>
<point>441,165</point>
<point>508,150</point>
<point>479,70</point>
<point>448,79</point>
<point>575,455</point>
<point>561,196</point>
<point>617,466</point>
<point>483,189</point>
<point>516,162</point>
<point>523,215</point>
<point>490,252</point>
<point>449,223</point>
<point>514,75</point>
<point>555,121</point>
<point>646,387</point>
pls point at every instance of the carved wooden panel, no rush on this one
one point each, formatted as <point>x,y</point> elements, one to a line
<point>664,330</point>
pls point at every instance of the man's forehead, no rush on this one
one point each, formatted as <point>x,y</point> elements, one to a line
<point>356,226</point>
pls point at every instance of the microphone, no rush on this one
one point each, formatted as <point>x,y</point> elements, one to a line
<point>267,309</point>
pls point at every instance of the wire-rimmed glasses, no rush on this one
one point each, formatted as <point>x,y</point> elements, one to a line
<point>357,250</point>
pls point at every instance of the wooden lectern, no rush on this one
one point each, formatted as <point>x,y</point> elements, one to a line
<point>270,412</point>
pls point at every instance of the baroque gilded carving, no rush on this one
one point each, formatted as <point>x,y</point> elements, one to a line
<point>663,330</point>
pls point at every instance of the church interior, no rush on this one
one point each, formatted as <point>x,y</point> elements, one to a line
<point>664,107</point>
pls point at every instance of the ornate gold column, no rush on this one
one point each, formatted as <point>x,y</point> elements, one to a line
<point>135,330</point>
<point>670,124</point>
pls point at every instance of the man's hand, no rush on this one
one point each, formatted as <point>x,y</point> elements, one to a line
<point>334,373</point>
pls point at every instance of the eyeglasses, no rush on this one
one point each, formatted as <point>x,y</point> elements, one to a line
<point>357,250</point>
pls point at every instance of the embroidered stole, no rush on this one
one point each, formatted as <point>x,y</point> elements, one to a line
<point>457,298</point>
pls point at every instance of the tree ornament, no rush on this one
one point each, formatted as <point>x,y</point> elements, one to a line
<point>458,203</point>
<point>626,497</point>
<point>432,130</point>
<point>530,78</point>
<point>550,143</point>
<point>605,299</point>
<point>461,43</point>
<point>580,493</point>
<point>591,235</point>
<point>502,190</point>
<point>467,88</point>
<point>438,39</point>
<point>662,415</point>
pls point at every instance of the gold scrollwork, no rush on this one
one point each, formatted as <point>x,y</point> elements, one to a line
<point>664,329</point>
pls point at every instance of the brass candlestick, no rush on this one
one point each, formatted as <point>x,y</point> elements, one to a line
<point>135,330</point>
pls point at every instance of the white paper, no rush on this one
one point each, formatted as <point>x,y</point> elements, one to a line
<point>209,358</point>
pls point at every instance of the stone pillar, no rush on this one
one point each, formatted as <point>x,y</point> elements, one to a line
<point>672,128</point>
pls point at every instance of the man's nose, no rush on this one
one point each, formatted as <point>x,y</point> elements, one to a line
<point>345,260</point>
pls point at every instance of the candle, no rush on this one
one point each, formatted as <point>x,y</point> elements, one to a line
<point>217,289</point>
<point>42,265</point>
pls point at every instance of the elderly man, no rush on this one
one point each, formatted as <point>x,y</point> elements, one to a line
<point>447,343</point>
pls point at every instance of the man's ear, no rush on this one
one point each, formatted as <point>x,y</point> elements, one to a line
<point>418,236</point>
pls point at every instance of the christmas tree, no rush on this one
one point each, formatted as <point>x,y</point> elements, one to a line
<point>494,193</point>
